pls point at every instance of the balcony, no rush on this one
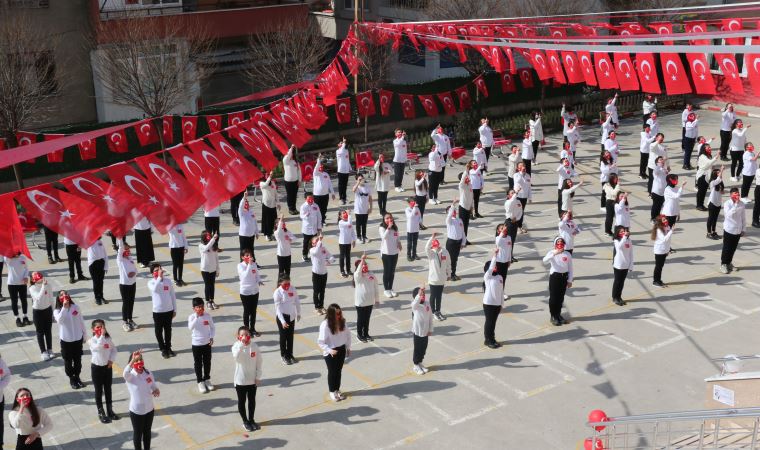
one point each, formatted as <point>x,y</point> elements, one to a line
<point>116,9</point>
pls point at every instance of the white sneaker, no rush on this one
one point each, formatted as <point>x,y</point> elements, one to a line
<point>505,297</point>
<point>340,395</point>
<point>418,370</point>
<point>202,388</point>
<point>334,397</point>
<point>400,189</point>
<point>603,209</point>
<point>50,355</point>
<point>723,268</point>
<point>210,386</point>
<point>44,356</point>
<point>745,200</point>
<point>394,294</point>
<point>126,327</point>
<point>387,294</point>
<point>424,369</point>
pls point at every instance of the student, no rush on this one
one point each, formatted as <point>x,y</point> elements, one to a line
<point>715,202</point>
<point>649,105</point>
<point>564,172</point>
<point>755,208</point>
<point>250,280</point>
<point>366,295</point>
<point>128,283</point>
<point>164,302</point>
<point>390,246</point>
<point>456,238</point>
<point>344,168</point>
<point>659,181</point>
<point>646,141</point>
<point>736,147</point>
<point>248,230</point>
<point>97,263</point>
<point>270,204</point>
<point>362,207</point>
<point>486,138</point>
<point>611,145</point>
<point>421,194</point>
<point>235,205</point>
<point>103,352</point>
<point>71,332</point>
<point>475,173</point>
<point>560,279</point>
<point>573,138</point>
<point>413,219</point>
<point>320,259</point>
<point>611,190</point>
<point>51,245</point>
<point>568,230</point>
<point>435,171</point>
<point>734,225</point>
<point>291,177</point>
<point>284,238</point>
<point>322,187</point>
<point>287,307</point>
<point>656,149</point>
<point>513,160</point>
<point>504,257</point>
<point>209,266</point>
<point>42,314</point>
<point>382,182</point>
<point>439,272</point>
<point>611,109</point>
<point>567,114</point>
<point>607,127</point>
<point>142,388</point>
<point>705,163</point>
<point>211,220</point>
<point>622,262</point>
<point>749,170</point>
<point>399,159</point>
<point>311,223</point>
<point>536,133</point>
<point>513,216</point>
<point>18,276</point>
<point>567,192</point>
<point>662,232</point>
<point>5,379</point>
<point>29,420</point>
<point>178,246</point>
<point>443,146</point>
<point>74,258</point>
<point>524,192</point>
<point>527,153</point>
<point>479,156</point>
<point>493,301</point>
<point>690,131</point>
<point>247,376</point>
<point>653,124</point>
<point>607,168</point>
<point>335,341</point>
<point>728,116</point>
<point>202,332</point>
<point>622,210</point>
<point>671,208</point>
<point>144,242</point>
<point>422,328</point>
<point>346,241</point>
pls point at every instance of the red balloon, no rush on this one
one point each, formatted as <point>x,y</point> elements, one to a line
<point>588,444</point>
<point>598,415</point>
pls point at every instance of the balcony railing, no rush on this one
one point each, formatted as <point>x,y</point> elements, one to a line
<point>408,4</point>
<point>115,9</point>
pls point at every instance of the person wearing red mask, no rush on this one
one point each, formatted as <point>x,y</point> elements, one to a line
<point>728,116</point>
<point>366,296</point>
<point>249,275</point>
<point>335,341</point>
<point>344,168</point>
<point>736,147</point>
<point>662,233</point>
<point>607,128</point>
<point>399,159</point>
<point>421,185</point>
<point>346,241</point>
<point>439,272</point>
<point>527,153</point>
<point>362,207</point>
<point>564,172</point>
<point>422,328</point>
<point>97,263</point>
<point>705,162</point>
<point>513,160</point>
<point>270,205</point>
<point>164,302</point>
<point>536,129</point>
<point>466,203</point>
<point>413,219</point>
<point>292,177</point>
<point>687,109</point>
<point>648,106</point>
<point>748,171</point>
<point>320,258</point>
<point>560,279</point>
<point>524,192</point>
<point>715,202</point>
<point>671,207</point>
<point>656,149</point>
<point>178,246</point>
<point>653,124</point>
<point>658,178</point>
<point>311,223</point>
<point>322,187</point>
<point>285,239</point>
<point>456,238</point>
<point>29,420</point>
<point>691,131</point>
<point>486,139</point>
<point>71,332</point>
<point>247,377</point>
<point>42,314</point>
<point>382,182</point>
<point>287,308</point>
<point>127,284</point>
<point>209,266</point>
<point>611,189</point>
<point>493,300</point>
<point>734,226</point>
<point>622,262</point>
<point>142,388</point>
<point>479,156</point>
<point>475,171</point>
<point>103,352</point>
<point>390,246</point>
<point>248,229</point>
<point>504,243</point>
<point>443,146</point>
<point>513,216</point>
<point>202,332</point>
<point>645,142</point>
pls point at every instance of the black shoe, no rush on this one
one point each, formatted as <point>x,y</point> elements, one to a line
<point>293,212</point>
<point>658,283</point>
<point>286,361</point>
<point>455,278</point>
<point>79,383</point>
<point>51,260</point>
<point>514,260</point>
<point>248,426</point>
<point>416,258</point>
<point>19,323</point>
<point>103,301</point>
<point>73,384</point>
<point>57,259</point>
<point>556,322</point>
<point>478,215</point>
<point>619,302</point>
<point>292,360</point>
<point>701,208</point>
<point>672,250</point>
<point>423,227</point>
<point>723,158</point>
<point>493,345</point>
<point>256,426</point>
<point>103,417</point>
<point>165,354</point>
<point>362,339</point>
<point>72,280</point>
<point>26,321</point>
<point>256,333</point>
<point>409,258</point>
<point>756,224</point>
<point>171,353</point>
<point>369,338</point>
<point>98,301</point>
<point>562,320</point>
<point>83,278</point>
<point>112,415</point>
<point>468,243</point>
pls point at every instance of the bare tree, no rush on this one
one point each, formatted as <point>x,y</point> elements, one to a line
<point>27,75</point>
<point>375,67</point>
<point>286,53</point>
<point>664,16</point>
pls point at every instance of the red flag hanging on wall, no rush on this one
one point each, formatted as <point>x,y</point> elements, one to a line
<point>480,84</point>
<point>214,123</point>
<point>704,83</point>
<point>676,81</point>
<point>235,118</point>
<point>626,74</point>
<point>556,67</point>
<point>407,105</point>
<point>428,104</point>
<point>541,64</point>
<point>508,82</point>
<point>145,132</point>
<point>12,239</point>
<point>573,67</point>
<point>448,103</point>
<point>343,109</point>
<point>167,130</point>
<point>87,149</point>
<point>386,98</point>
<point>605,73</point>
<point>56,156</point>
<point>732,25</point>
<point>189,128</point>
<point>526,78</point>
<point>727,64</point>
<point>645,66</point>
<point>752,62</point>
<point>463,94</point>
<point>365,104</point>
<point>117,142</point>
<point>587,67</point>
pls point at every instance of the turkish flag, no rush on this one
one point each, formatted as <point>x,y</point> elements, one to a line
<point>663,28</point>
<point>167,130</point>
<point>696,27</point>
<point>260,119</point>
<point>511,59</point>
<point>235,118</point>
<point>556,65</point>
<point>214,164</point>
<point>56,156</point>
<point>407,106</point>
<point>214,123</point>
<point>508,83</point>
<point>704,83</point>
<point>256,146</point>
<point>752,63</point>
<point>572,67</point>
<point>352,62</point>
<point>87,149</point>
<point>343,109</point>
<point>541,64</point>
<point>626,74</point>
<point>732,25</point>
<point>583,30</point>
<point>306,104</point>
<point>239,168</point>
<point>146,132</point>
<point>676,81</point>
<point>121,206</point>
<point>526,78</point>
<point>480,84</point>
<point>646,67</point>
<point>448,103</point>
<point>68,215</point>
<point>208,182</point>
<point>151,203</point>
<point>365,103</point>
<point>587,68</point>
<point>558,32</point>
<point>727,64</point>
<point>386,98</point>
<point>289,125</point>
<point>26,138</point>
<point>178,193</point>
<point>189,128</point>
<point>12,239</point>
<point>463,94</point>
<point>605,73</point>
<point>428,104</point>
<point>117,142</point>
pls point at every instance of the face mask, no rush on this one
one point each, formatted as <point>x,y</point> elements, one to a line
<point>474,166</point>
<point>689,108</point>
<point>97,331</point>
<point>612,136</point>
<point>435,244</point>
<point>439,130</point>
<point>740,125</point>
<point>454,215</point>
<point>412,204</point>
<point>566,163</point>
<point>126,253</point>
<point>247,259</point>
<point>36,277</point>
<point>246,205</point>
<point>310,200</point>
<point>389,221</point>
<point>622,233</point>
<point>691,117</point>
<point>466,180</point>
<point>559,246</point>
<point>26,401</point>
<point>365,268</point>
<point>199,310</point>
<point>245,339</point>
<point>735,197</point>
<point>139,366</point>
<point>345,216</point>
<point>750,148</point>
<point>665,221</point>
<point>702,141</point>
<point>156,273</point>
<point>206,237</point>
<point>653,116</point>
<point>286,286</point>
<point>570,184</point>
<point>65,299</point>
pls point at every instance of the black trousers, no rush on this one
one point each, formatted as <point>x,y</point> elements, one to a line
<point>141,425</point>
<point>286,336</point>
<point>756,208</point>
<point>144,247</point>
<point>604,196</point>
<point>322,201</point>
<point>609,216</point>
<point>618,283</point>
<point>202,362</point>
<point>527,163</point>
<point>702,187</point>
<point>209,285</point>
<point>211,224</point>
<point>659,263</point>
<point>523,202</point>
<point>730,242</point>
<point>71,352</point>
<point>672,220</point>
<point>411,244</point>
<point>382,201</point>
<point>246,243</point>
<point>74,258</point>
<point>344,260</point>
<point>102,379</point>
<point>389,270</point>
<point>398,173</point>
<point>511,181</point>
<point>420,348</point>
<point>127,292</point>
<point>43,327</point>
<point>2,422</point>
<point>491,313</point>
<point>335,368</point>
<point>488,153</point>
<point>234,205</point>
<point>502,269</point>
<point>476,198</point>
<point>746,185</point>
<point>361,225</point>
<point>291,193</point>
<point>363,314</point>
<point>283,265</point>
<point>512,231</point>
<point>737,163</point>
<point>342,185</point>
<point>650,179</point>
<point>51,242</point>
<point>250,303</point>
<point>246,395</point>
<point>643,160</point>
<point>535,149</point>
<point>268,217</point>
<point>436,295</point>
<point>688,148</point>
<point>464,214</point>
<point>306,244</point>
<point>454,246</point>
<point>98,274</point>
<point>712,215</point>
<point>725,140</point>
<point>22,445</point>
<point>178,262</point>
<point>435,180</point>
<point>421,201</point>
<point>162,325</point>
<point>657,202</point>
<point>17,292</point>
<point>557,289</point>
<point>319,284</point>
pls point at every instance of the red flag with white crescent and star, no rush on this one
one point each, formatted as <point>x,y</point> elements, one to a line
<point>56,156</point>
<point>12,239</point>
<point>87,149</point>
<point>676,81</point>
<point>732,25</point>
<point>727,64</point>
<point>240,168</point>
<point>526,78</point>
<point>255,146</point>
<point>463,94</point>
<point>208,182</point>
<point>235,118</point>
<point>752,62</point>
<point>288,124</point>
<point>167,130</point>
<point>117,142</point>
<point>508,82</point>
<point>214,123</point>
<point>146,132</point>
<point>343,109</point>
<point>605,73</point>
<point>587,67</point>
<point>151,202</point>
<point>626,74</point>
<point>556,66</point>
<point>448,103</point>
<point>704,83</point>
<point>385,99</point>
<point>480,84</point>
<point>573,68</point>
<point>189,128</point>
<point>260,120</point>
<point>645,66</point>
<point>428,104</point>
<point>407,106</point>
<point>541,64</point>
<point>365,104</point>
<point>177,192</point>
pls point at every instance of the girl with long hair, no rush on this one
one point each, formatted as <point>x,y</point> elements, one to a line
<point>736,147</point>
<point>366,296</point>
<point>142,388</point>
<point>661,234</point>
<point>705,162</point>
<point>42,313</point>
<point>659,181</point>
<point>335,341</point>
<point>128,281</point>
<point>29,420</point>
<point>421,194</point>
<point>611,190</point>
<point>103,352</point>
<point>422,328</point>
<point>390,246</point>
<point>250,280</point>
<point>209,266</point>
<point>71,332</point>
<point>715,202</point>
<point>362,206</point>
<point>287,308</point>
<point>413,219</point>
<point>622,262</point>
<point>247,376</point>
<point>560,279</point>
<point>346,241</point>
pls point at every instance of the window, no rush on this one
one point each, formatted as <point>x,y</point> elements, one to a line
<point>714,68</point>
<point>138,3</point>
<point>408,54</point>
<point>29,3</point>
<point>449,59</point>
<point>45,69</point>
